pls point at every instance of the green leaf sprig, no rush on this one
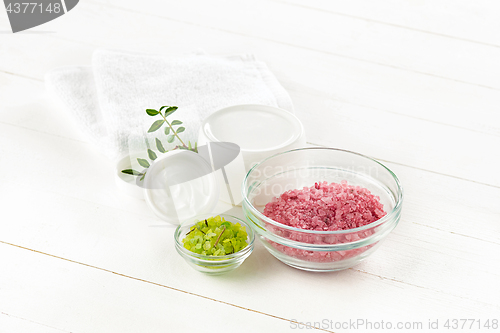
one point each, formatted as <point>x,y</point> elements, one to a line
<point>170,131</point>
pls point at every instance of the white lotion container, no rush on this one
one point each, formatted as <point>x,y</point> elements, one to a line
<point>180,185</point>
<point>259,130</point>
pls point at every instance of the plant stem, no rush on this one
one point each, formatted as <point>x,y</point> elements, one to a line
<point>190,231</point>
<point>173,131</point>
<point>217,241</point>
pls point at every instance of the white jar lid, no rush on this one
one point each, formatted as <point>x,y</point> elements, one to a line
<point>254,128</point>
<point>180,185</point>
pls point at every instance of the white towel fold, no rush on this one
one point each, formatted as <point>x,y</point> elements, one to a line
<point>109,99</point>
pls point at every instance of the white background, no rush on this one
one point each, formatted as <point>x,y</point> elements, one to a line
<point>414,84</point>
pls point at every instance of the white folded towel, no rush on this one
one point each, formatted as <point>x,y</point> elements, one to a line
<point>109,99</point>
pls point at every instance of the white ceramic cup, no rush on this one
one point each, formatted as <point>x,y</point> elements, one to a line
<point>259,130</point>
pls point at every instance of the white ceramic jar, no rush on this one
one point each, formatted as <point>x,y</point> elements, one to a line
<point>259,130</point>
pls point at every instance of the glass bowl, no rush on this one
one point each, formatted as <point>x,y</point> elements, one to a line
<point>213,265</point>
<point>314,250</point>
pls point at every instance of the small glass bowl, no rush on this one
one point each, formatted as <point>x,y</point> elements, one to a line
<point>213,265</point>
<point>314,250</point>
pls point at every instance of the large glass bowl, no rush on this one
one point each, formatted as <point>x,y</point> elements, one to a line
<point>319,250</point>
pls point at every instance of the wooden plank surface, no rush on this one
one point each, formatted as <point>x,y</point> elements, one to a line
<point>339,36</point>
<point>92,216</point>
<point>474,21</point>
<point>11,323</point>
<point>402,82</point>
<point>335,93</point>
<point>73,297</point>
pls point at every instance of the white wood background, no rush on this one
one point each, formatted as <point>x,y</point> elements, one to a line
<point>415,84</point>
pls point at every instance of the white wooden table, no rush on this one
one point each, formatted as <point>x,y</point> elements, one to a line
<point>415,84</point>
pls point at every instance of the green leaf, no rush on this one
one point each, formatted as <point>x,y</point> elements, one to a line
<point>143,162</point>
<point>156,125</point>
<point>180,130</point>
<point>160,147</point>
<point>170,138</point>
<point>132,172</point>
<point>176,122</point>
<point>196,147</point>
<point>152,155</point>
<point>152,112</point>
<point>189,145</point>
<point>163,107</point>
<point>167,130</point>
<point>170,110</point>
<point>142,178</point>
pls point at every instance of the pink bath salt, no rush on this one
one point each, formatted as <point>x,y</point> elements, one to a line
<point>320,256</point>
<point>326,207</point>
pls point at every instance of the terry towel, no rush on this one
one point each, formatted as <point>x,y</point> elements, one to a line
<point>109,99</point>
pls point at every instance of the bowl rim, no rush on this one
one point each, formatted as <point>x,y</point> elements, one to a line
<point>286,114</point>
<point>388,217</point>
<point>215,260</point>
